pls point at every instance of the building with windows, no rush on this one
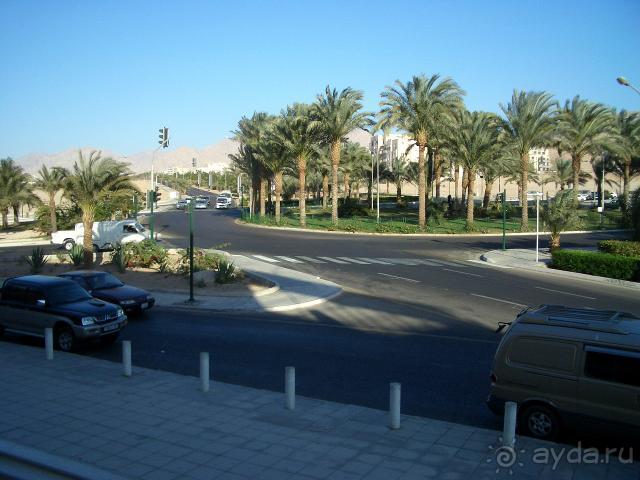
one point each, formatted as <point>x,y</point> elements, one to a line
<point>393,146</point>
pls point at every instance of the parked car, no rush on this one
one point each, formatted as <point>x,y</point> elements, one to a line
<point>223,202</point>
<point>583,195</point>
<point>31,303</point>
<point>562,365</point>
<point>109,288</point>
<point>106,235</point>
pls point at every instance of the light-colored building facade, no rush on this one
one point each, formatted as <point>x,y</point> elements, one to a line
<point>393,146</point>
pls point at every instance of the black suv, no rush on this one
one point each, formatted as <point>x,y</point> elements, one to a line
<point>32,303</point>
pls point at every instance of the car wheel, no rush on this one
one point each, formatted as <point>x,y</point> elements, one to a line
<point>68,245</point>
<point>109,339</point>
<point>540,421</point>
<point>65,340</point>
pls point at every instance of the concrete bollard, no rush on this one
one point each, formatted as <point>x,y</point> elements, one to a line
<point>290,387</point>
<point>394,405</point>
<point>48,342</point>
<point>510,421</point>
<point>126,358</point>
<point>204,371</point>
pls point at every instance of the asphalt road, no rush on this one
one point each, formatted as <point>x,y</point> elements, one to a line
<point>429,325</point>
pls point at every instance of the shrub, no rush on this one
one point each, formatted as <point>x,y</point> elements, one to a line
<point>76,254</point>
<point>62,257</point>
<point>226,272</point>
<point>560,214</point>
<point>66,217</point>
<point>37,260</point>
<point>635,214</point>
<point>120,258</point>
<point>201,260</point>
<point>435,212</point>
<point>595,263</point>
<point>146,254</point>
<point>350,208</point>
<point>620,247</point>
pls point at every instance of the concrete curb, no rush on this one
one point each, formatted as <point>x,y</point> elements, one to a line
<point>449,235</point>
<point>27,242</point>
<point>543,268</point>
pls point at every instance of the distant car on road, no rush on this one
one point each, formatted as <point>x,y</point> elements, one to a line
<point>583,195</point>
<point>182,204</point>
<point>201,204</point>
<point>105,235</point>
<point>204,198</point>
<point>109,288</point>
<point>31,303</point>
<point>223,202</point>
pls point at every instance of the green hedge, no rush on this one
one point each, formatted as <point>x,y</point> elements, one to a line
<point>596,263</point>
<point>626,248</point>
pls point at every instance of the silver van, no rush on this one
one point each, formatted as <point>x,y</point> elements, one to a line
<point>562,365</point>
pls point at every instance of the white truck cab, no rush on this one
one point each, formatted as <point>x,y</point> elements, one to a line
<point>106,235</point>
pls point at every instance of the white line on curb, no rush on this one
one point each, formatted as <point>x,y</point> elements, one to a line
<point>463,273</point>
<point>399,278</point>
<point>374,260</point>
<point>353,260</point>
<point>288,259</point>
<point>309,259</point>
<point>266,259</point>
<point>329,259</point>
<point>497,299</point>
<point>565,293</point>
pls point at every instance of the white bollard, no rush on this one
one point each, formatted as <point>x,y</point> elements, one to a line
<point>290,387</point>
<point>126,358</point>
<point>510,420</point>
<point>48,342</point>
<point>394,405</point>
<point>204,371</point>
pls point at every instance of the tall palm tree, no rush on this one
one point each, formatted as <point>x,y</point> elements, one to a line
<point>627,146</point>
<point>474,142</point>
<point>399,172</point>
<point>336,114</point>
<point>51,182</point>
<point>92,179</point>
<point>583,128</point>
<point>416,107</point>
<point>530,122</point>
<point>15,190</point>
<point>299,137</point>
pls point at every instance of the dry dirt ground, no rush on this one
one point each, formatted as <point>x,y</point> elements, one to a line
<point>148,279</point>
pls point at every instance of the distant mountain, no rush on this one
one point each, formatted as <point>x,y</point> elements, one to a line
<point>215,155</point>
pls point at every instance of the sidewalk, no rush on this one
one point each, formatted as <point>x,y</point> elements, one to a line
<point>158,425</point>
<point>292,290</point>
<point>526,260</point>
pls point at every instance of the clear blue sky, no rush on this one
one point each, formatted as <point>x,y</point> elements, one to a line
<point>109,74</point>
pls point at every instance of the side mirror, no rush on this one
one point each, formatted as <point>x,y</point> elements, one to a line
<point>41,302</point>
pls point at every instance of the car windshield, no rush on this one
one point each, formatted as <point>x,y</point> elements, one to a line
<point>62,294</point>
<point>103,280</point>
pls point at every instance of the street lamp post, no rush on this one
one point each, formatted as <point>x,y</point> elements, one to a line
<point>378,186</point>
<point>537,225</point>
<point>623,81</point>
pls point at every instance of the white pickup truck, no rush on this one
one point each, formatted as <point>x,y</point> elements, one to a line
<point>106,235</point>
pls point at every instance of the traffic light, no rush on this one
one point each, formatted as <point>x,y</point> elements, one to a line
<point>157,195</point>
<point>163,137</point>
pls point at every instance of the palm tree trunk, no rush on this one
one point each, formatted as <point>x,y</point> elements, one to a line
<point>456,179</point>
<point>625,188</point>
<point>465,184</point>
<point>470,201</point>
<point>575,166</point>
<point>438,173</point>
<point>422,199</point>
<point>398,193</point>
<point>88,214</point>
<point>52,211</point>
<point>16,214</point>
<point>278,188</point>
<point>335,162</point>
<point>487,193</point>
<point>302,186</point>
<point>345,181</point>
<point>524,178</point>
<point>5,219</point>
<point>263,195</point>
<point>555,240</point>
<point>325,191</point>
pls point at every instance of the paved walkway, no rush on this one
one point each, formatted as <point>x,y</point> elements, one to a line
<point>158,425</point>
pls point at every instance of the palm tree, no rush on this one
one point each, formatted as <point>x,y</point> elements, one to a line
<point>399,172</point>
<point>298,135</point>
<point>474,142</point>
<point>51,182</point>
<point>583,128</point>
<point>561,214</point>
<point>335,115</point>
<point>15,190</point>
<point>416,108</point>
<point>627,146</point>
<point>530,122</point>
<point>92,179</point>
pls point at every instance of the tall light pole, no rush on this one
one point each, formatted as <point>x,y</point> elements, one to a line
<point>378,184</point>
<point>623,81</point>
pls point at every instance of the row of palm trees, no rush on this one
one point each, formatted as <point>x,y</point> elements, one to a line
<point>92,181</point>
<point>431,111</point>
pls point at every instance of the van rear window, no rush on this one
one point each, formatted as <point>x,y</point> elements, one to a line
<point>613,367</point>
<point>543,353</point>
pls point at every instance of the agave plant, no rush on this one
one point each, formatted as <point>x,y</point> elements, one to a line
<point>37,260</point>
<point>76,254</point>
<point>226,272</point>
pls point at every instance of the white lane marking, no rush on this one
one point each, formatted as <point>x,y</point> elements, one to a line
<point>463,273</point>
<point>288,259</point>
<point>401,261</point>
<point>329,259</point>
<point>497,299</point>
<point>310,259</point>
<point>429,263</point>
<point>266,259</point>
<point>353,260</point>
<point>565,293</point>
<point>400,278</point>
<point>374,260</point>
